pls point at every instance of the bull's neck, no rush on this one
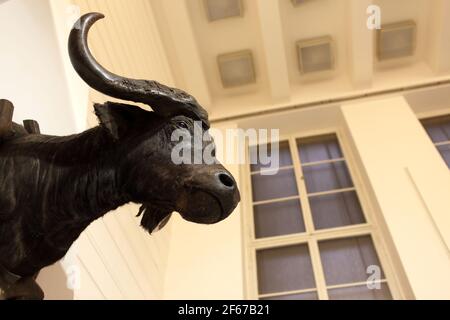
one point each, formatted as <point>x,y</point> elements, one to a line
<point>91,181</point>
<point>91,191</point>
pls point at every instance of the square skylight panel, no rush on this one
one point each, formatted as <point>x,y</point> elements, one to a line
<point>237,68</point>
<point>223,9</point>
<point>396,40</point>
<point>315,55</point>
<point>298,2</point>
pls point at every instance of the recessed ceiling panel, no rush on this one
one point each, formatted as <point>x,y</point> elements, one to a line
<point>237,68</point>
<point>298,2</point>
<point>223,9</point>
<point>315,55</point>
<point>396,40</point>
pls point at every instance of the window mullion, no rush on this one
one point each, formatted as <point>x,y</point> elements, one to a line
<point>309,223</point>
<point>307,216</point>
<point>253,274</point>
<point>318,270</point>
<point>329,192</point>
<point>249,232</point>
<point>356,284</point>
<point>287,293</point>
<point>318,163</point>
<point>443,143</point>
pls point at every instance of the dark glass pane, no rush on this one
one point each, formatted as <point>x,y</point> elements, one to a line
<point>284,269</point>
<point>278,218</point>
<point>298,296</point>
<point>319,149</point>
<point>346,260</point>
<point>445,152</point>
<point>360,293</point>
<point>336,210</point>
<point>280,185</point>
<point>327,177</point>
<point>257,163</point>
<point>439,130</point>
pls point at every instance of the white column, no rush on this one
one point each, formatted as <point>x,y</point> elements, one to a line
<point>360,43</point>
<point>65,14</point>
<point>411,185</point>
<point>275,51</point>
<point>190,65</point>
<point>438,43</point>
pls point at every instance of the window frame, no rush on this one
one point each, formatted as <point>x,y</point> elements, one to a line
<point>424,117</point>
<point>311,237</point>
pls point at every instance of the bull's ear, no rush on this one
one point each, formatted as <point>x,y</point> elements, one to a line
<point>114,117</point>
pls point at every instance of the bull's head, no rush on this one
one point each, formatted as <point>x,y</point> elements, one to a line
<point>202,193</point>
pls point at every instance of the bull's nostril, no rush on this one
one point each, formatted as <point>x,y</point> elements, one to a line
<point>226,180</point>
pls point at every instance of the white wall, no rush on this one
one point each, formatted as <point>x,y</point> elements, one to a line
<point>32,78</point>
<point>31,68</point>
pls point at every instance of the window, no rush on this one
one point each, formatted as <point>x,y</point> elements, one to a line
<point>439,131</point>
<point>307,236</point>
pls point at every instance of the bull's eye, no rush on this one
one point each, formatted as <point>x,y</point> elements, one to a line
<point>183,124</point>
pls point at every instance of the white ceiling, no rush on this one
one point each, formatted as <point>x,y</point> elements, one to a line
<point>270,29</point>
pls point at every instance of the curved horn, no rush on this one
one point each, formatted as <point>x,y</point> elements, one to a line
<point>164,100</point>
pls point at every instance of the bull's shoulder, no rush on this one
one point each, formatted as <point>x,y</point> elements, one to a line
<point>22,136</point>
<point>19,130</point>
<point>19,134</point>
<point>20,140</point>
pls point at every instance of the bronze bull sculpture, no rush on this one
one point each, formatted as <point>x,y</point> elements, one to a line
<point>52,188</point>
